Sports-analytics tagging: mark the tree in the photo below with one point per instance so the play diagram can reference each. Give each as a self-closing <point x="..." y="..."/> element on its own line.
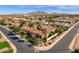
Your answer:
<point x="2" y="22"/>
<point x="39" y="27"/>
<point x="59" y="29"/>
<point x="22" y="22"/>
<point x="15" y="29"/>
<point x="30" y="24"/>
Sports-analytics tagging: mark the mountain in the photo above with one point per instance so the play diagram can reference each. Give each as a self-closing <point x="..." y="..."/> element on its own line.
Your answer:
<point x="38" y="13"/>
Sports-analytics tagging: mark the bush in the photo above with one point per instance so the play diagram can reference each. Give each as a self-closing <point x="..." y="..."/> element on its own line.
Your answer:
<point x="15" y="29"/>
<point x="30" y="40"/>
<point x="60" y="30"/>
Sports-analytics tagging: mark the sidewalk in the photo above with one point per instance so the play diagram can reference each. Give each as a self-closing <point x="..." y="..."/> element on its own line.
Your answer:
<point x="76" y="46"/>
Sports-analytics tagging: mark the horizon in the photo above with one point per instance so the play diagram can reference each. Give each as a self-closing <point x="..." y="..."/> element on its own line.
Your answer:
<point x="25" y="9"/>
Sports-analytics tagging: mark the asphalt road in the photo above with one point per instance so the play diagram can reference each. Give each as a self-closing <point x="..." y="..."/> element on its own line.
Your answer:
<point x="21" y="46"/>
<point x="62" y="45"/>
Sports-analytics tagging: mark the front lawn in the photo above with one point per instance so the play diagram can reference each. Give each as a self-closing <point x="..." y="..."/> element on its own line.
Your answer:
<point x="3" y="44"/>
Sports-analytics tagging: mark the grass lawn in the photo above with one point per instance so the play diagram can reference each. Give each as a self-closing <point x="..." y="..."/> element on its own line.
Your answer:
<point x="3" y="44"/>
<point x="8" y="51"/>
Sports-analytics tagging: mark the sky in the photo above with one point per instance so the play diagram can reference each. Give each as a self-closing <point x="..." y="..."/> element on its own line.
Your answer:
<point x="23" y="9"/>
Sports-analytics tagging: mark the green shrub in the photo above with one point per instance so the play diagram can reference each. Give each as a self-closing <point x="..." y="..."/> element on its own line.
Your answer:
<point x="15" y="29"/>
<point x="30" y="40"/>
<point x="3" y="44"/>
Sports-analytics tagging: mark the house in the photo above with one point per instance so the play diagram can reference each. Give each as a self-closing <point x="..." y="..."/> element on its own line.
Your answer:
<point x="38" y="33"/>
<point x="33" y="31"/>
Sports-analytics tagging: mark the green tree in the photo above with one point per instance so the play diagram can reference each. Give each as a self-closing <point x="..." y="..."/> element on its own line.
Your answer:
<point x="60" y="29"/>
<point x="31" y="24"/>
<point x="15" y="29"/>
<point x="22" y="22"/>
<point x="2" y="22"/>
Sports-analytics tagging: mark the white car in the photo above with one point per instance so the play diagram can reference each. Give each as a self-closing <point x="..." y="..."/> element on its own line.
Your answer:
<point x="28" y="44"/>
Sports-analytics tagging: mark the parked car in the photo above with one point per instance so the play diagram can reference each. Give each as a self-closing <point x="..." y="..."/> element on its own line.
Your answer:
<point x="29" y="44"/>
<point x="10" y="33"/>
<point x="15" y="38"/>
<point x="20" y="41"/>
